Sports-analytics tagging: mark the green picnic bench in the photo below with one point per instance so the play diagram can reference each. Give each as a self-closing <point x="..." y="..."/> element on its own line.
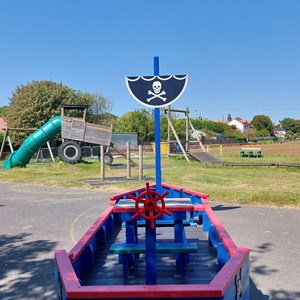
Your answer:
<point x="251" y="152"/>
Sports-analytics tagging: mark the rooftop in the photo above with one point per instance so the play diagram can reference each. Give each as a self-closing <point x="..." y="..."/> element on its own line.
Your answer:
<point x="3" y="124"/>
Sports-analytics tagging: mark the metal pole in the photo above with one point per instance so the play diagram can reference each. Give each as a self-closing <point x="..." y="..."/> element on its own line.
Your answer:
<point x="38" y="154"/>
<point x="50" y="151"/>
<point x="151" y="274"/>
<point x="157" y="134"/>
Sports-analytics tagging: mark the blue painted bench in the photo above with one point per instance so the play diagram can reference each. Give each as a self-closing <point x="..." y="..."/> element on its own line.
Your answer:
<point x="127" y="250"/>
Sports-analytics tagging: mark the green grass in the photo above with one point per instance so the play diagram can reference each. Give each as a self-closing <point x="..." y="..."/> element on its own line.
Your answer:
<point x="255" y="185"/>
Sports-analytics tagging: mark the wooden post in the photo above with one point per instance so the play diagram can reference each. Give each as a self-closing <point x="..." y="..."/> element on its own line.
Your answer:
<point x="141" y="162"/>
<point x="3" y="142"/>
<point x="84" y="114"/>
<point x="128" y="160"/>
<point x="177" y="139"/>
<point x="102" y="167"/>
<point x="10" y="144"/>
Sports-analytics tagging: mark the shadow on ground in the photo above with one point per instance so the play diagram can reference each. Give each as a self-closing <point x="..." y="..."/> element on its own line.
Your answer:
<point x="26" y="271"/>
<point x="221" y="207"/>
<point x="256" y="267"/>
<point x="255" y="293"/>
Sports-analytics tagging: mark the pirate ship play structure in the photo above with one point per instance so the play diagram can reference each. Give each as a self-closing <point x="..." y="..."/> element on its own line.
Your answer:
<point x="148" y="245"/>
<point x="155" y="242"/>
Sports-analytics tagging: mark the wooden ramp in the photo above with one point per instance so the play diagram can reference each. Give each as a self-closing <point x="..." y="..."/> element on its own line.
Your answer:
<point x="204" y="157"/>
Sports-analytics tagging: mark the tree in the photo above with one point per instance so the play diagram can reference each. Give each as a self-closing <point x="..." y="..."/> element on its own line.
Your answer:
<point x="289" y="124"/>
<point x="3" y="110"/>
<point x="292" y="127"/>
<point x="163" y="126"/>
<point x="99" y="106"/>
<point x="263" y="125"/>
<point x="297" y="127"/>
<point x="217" y="127"/>
<point x="180" y="126"/>
<point x="140" y="121"/>
<point x="1" y="137"/>
<point x="33" y="104"/>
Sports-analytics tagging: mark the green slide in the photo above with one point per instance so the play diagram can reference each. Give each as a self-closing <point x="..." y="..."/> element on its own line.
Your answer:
<point x="33" y="143"/>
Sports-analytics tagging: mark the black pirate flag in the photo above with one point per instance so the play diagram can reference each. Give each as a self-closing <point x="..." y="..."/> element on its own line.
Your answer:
<point x="156" y="91"/>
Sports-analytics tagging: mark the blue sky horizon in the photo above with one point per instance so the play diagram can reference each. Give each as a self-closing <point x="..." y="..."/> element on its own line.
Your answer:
<point x="242" y="57"/>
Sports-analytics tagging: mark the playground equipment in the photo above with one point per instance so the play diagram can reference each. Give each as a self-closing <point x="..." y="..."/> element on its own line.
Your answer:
<point x="31" y="145"/>
<point x="148" y="245"/>
<point x="199" y="154"/>
<point x="73" y="131"/>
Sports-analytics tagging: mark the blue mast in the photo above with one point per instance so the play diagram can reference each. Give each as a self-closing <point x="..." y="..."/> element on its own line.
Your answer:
<point x="157" y="134"/>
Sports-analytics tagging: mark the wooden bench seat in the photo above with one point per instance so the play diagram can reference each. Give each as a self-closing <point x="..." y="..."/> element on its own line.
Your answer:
<point x="160" y="248"/>
<point x="128" y="254"/>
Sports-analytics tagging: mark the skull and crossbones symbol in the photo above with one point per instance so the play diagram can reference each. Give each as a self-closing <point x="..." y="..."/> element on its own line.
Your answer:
<point x="157" y="86"/>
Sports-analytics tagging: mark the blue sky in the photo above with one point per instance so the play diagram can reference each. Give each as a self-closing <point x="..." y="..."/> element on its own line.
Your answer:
<point x="242" y="57"/>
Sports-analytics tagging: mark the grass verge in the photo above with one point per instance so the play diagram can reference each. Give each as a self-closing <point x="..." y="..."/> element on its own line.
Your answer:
<point x="255" y="185"/>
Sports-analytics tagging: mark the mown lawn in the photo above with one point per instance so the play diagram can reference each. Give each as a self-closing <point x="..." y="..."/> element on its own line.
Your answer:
<point x="255" y="185"/>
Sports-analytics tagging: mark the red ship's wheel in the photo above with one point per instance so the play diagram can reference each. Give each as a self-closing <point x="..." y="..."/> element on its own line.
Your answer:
<point x="150" y="210"/>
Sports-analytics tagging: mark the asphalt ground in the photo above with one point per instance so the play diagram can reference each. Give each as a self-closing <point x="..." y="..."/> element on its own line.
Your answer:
<point x="37" y="220"/>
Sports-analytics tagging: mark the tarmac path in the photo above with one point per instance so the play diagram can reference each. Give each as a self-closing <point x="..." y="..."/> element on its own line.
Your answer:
<point x="36" y="220"/>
